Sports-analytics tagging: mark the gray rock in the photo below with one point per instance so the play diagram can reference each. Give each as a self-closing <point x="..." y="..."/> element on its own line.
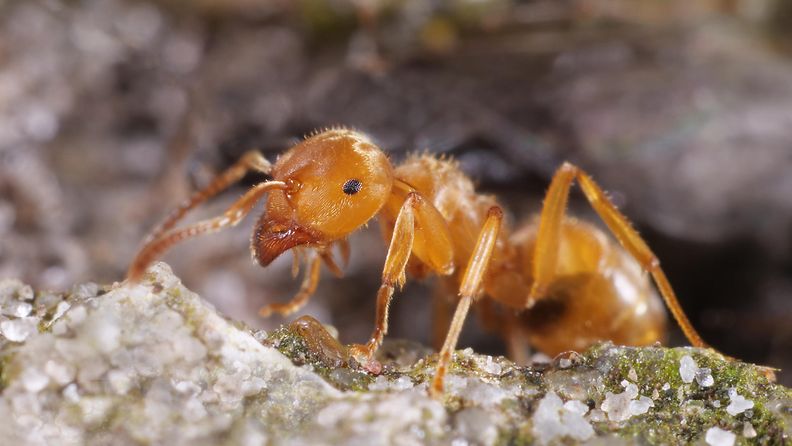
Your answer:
<point x="153" y="363"/>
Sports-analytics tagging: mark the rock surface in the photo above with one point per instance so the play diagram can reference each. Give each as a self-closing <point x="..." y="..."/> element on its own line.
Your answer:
<point x="153" y="363"/>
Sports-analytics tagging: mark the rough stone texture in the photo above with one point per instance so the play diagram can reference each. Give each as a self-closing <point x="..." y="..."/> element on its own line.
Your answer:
<point x="112" y="111"/>
<point x="153" y="363"/>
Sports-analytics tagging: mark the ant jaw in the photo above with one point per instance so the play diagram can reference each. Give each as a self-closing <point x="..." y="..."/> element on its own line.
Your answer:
<point x="268" y="243"/>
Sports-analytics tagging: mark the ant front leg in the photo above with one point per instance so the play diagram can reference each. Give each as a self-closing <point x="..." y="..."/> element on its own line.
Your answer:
<point x="468" y="290"/>
<point x="311" y="279"/>
<point x="250" y="161"/>
<point x="157" y="246"/>
<point x="432" y="245"/>
<point x="548" y="240"/>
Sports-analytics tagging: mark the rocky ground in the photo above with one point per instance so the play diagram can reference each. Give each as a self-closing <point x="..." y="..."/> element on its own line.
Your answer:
<point x="153" y="363"/>
<point x="113" y="111"/>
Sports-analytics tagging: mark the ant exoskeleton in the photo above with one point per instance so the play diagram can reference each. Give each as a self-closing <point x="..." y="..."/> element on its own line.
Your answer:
<point x="332" y="183"/>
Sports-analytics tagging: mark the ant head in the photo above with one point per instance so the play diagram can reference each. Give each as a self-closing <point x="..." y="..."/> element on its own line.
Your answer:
<point x="337" y="181"/>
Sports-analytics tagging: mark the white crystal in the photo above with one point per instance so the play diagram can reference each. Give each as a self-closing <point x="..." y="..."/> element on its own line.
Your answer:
<point x="718" y="437"/>
<point x="186" y="388"/>
<point x="60" y="310"/>
<point x="403" y="383"/>
<point x="577" y="407"/>
<point x="597" y="415"/>
<point x="641" y="405"/>
<point x="77" y="315"/>
<point x="70" y="393"/>
<point x="34" y="380"/>
<point x="553" y="419"/>
<point x="95" y="409"/>
<point x="490" y="366"/>
<point x="738" y="403"/>
<point x="102" y="330"/>
<point x="540" y="358"/>
<point x="12" y="289"/>
<point x="631" y="390"/>
<point x="632" y="375"/>
<point x="687" y="369"/>
<point x="622" y="406"/>
<point x="194" y="410"/>
<point x="617" y="405"/>
<point x="61" y="373"/>
<point x="85" y="290"/>
<point x="704" y="377"/>
<point x="17" y="330"/>
<point x="380" y="383"/>
<point x="119" y="381"/>
<point x="17" y="309"/>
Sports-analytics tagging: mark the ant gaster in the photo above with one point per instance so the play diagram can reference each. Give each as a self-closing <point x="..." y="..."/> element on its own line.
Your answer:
<point x="332" y="183"/>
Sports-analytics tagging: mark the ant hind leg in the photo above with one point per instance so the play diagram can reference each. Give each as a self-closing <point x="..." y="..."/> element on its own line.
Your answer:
<point x="548" y="240"/>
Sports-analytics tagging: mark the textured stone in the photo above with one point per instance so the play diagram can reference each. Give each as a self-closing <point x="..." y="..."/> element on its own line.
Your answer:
<point x="153" y="363"/>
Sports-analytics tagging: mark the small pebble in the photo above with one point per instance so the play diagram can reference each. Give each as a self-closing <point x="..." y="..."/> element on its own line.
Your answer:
<point x="748" y="430"/>
<point x="718" y="437"/>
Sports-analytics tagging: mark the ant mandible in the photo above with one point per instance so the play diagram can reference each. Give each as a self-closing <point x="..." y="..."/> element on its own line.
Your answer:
<point x="333" y="182"/>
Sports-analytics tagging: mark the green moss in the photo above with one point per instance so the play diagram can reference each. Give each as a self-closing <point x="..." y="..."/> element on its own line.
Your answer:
<point x="520" y="436"/>
<point x="341" y="372"/>
<point x="675" y="421"/>
<point x="6" y="370"/>
<point x="682" y="412"/>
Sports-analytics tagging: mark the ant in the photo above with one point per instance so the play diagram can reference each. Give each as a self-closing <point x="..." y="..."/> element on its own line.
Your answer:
<point x="567" y="284"/>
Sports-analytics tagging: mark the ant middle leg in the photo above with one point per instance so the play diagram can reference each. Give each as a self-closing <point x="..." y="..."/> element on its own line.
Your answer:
<point x="393" y="274"/>
<point x="432" y="243"/>
<point x="469" y="289"/>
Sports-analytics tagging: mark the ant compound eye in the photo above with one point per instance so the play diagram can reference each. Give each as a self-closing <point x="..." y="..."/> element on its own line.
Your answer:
<point x="351" y="187"/>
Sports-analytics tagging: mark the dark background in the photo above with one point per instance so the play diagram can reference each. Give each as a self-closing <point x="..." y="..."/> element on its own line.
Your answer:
<point x="112" y="111"/>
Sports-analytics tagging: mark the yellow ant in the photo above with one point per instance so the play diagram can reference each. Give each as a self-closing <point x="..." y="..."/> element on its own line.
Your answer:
<point x="332" y="183"/>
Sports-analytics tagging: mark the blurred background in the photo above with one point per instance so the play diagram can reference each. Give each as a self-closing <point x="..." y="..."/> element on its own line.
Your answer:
<point x="113" y="111"/>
